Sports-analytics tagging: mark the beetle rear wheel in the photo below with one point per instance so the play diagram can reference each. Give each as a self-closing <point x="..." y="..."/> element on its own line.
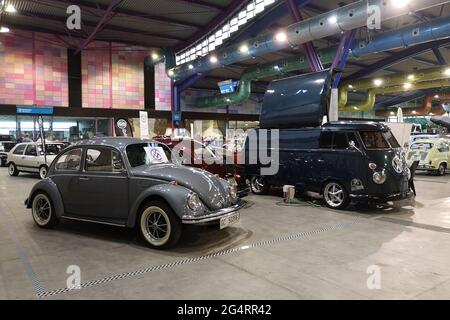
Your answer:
<point x="159" y="226"/>
<point x="43" y="211"/>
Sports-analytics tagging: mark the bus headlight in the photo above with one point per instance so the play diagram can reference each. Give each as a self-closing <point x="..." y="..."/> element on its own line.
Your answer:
<point x="379" y="177"/>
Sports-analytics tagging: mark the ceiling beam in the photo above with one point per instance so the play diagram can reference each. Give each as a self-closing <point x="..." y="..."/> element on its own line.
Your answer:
<point x="62" y="20"/>
<point x="205" y="4"/>
<point x="402" y="99"/>
<point x="398" y="57"/>
<point x="439" y="56"/>
<point x="107" y="16"/>
<point x="138" y="15"/>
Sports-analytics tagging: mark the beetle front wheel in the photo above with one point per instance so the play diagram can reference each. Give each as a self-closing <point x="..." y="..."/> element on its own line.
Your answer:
<point x="159" y="226"/>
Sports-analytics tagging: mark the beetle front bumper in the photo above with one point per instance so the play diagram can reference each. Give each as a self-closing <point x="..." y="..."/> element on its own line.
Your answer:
<point x="214" y="216"/>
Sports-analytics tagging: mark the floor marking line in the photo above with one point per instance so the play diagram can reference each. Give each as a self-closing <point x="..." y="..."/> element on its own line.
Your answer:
<point x="170" y="265"/>
<point x="21" y="252"/>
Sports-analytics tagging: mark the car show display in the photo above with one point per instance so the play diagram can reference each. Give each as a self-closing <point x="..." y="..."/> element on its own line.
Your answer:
<point x="131" y="183"/>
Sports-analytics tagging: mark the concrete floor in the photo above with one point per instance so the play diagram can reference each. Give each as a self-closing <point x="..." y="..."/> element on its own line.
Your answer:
<point x="275" y="252"/>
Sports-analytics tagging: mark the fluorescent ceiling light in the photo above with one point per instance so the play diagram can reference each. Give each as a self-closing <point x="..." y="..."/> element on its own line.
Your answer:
<point x="281" y="36"/>
<point x="4" y="29"/>
<point x="10" y="8"/>
<point x="400" y="3"/>
<point x="378" y="82"/>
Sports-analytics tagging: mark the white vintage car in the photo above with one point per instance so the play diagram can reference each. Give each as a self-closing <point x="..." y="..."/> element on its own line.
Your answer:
<point x="30" y="157"/>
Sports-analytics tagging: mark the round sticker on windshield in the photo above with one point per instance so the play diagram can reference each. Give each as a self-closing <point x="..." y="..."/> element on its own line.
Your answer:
<point x="156" y="155"/>
<point x="122" y="124"/>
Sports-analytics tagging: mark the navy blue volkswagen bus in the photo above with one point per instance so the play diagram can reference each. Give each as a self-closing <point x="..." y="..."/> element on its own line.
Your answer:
<point x="343" y="161"/>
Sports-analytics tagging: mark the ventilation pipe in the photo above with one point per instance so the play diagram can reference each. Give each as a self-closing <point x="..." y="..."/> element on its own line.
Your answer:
<point x="404" y="81"/>
<point x="426" y="109"/>
<point x="359" y="14"/>
<point x="372" y="93"/>
<point x="259" y="72"/>
<point x="436" y="29"/>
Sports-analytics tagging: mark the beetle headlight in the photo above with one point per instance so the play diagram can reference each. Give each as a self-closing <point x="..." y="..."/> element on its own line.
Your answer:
<point x="233" y="191"/>
<point x="379" y="177"/>
<point x="194" y="202"/>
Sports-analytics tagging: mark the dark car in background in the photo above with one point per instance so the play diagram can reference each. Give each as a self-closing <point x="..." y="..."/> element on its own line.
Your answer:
<point x="129" y="183"/>
<point x="196" y="152"/>
<point x="5" y="148"/>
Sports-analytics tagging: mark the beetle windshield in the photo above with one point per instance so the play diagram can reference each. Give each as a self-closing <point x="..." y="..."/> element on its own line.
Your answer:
<point x="379" y="140"/>
<point x="147" y="153"/>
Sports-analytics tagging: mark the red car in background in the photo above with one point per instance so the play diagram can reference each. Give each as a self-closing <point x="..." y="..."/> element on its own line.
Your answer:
<point x="233" y="173"/>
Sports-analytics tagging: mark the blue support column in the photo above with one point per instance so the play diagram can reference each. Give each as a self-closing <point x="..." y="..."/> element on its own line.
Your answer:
<point x="349" y="37"/>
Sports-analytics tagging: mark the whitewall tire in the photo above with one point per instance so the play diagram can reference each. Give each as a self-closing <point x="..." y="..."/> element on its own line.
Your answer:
<point x="159" y="226"/>
<point x="43" y="211"/>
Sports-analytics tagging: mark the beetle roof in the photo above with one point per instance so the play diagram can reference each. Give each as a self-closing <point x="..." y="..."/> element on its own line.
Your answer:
<point x="116" y="142"/>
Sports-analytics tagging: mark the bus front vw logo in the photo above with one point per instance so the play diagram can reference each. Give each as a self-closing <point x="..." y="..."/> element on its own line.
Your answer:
<point x="397" y="164"/>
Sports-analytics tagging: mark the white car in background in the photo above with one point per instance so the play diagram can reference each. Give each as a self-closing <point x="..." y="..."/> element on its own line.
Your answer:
<point x="30" y="157"/>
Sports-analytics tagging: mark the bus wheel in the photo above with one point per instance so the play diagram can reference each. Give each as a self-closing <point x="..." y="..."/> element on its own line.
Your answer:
<point x="335" y="195"/>
<point x="259" y="185"/>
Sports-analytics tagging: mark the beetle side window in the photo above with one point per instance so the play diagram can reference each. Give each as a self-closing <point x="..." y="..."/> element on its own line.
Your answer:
<point x="103" y="160"/>
<point x="20" y="149"/>
<point x="31" y="150"/>
<point x="70" y="161"/>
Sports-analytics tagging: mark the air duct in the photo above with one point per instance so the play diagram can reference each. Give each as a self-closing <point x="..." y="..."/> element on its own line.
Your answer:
<point x="426" y="109"/>
<point x="436" y="29"/>
<point x="352" y="16"/>
<point x="404" y="81"/>
<point x="271" y="69"/>
<point x="369" y="103"/>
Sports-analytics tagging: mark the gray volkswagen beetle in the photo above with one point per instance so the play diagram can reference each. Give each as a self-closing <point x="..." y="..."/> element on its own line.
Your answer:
<point x="130" y="183"/>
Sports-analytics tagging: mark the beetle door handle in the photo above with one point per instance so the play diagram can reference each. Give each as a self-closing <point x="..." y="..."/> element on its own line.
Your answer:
<point x="83" y="178"/>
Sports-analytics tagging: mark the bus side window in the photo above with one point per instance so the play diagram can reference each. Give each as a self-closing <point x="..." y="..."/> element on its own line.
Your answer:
<point x="351" y="136"/>
<point x="340" y="141"/>
<point x="326" y="140"/>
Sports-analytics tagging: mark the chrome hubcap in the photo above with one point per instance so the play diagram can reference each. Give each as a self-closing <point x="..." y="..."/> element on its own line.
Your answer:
<point x="11" y="169"/>
<point x="156" y="226"/>
<point x="43" y="172"/>
<point x="334" y="194"/>
<point x="258" y="183"/>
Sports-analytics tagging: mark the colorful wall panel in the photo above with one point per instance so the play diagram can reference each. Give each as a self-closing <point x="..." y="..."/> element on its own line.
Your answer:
<point x="95" y="75"/>
<point x="51" y="73"/>
<point x="113" y="73"/>
<point x="20" y="83"/>
<point x="163" y="92"/>
<point x="128" y="79"/>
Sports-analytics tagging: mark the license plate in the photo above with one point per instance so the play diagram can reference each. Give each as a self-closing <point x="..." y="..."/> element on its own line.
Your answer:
<point x="228" y="221"/>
